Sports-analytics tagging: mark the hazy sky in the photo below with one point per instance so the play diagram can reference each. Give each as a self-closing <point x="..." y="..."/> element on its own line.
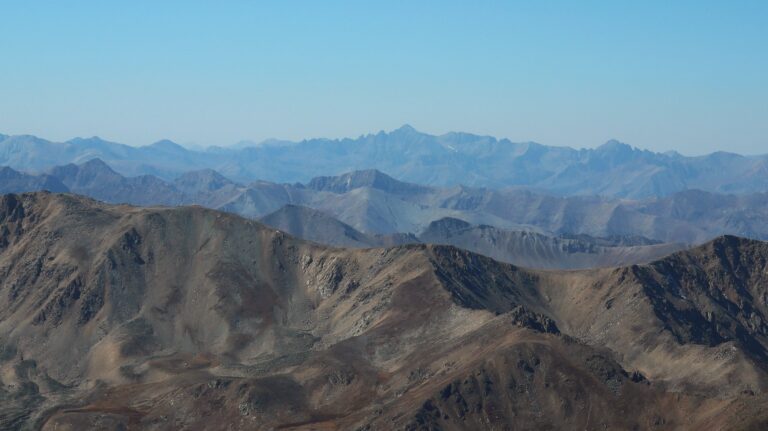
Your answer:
<point x="685" y="75"/>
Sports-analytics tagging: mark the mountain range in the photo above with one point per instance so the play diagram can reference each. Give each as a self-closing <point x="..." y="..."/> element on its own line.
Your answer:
<point x="613" y="169"/>
<point x="525" y="248"/>
<point x="374" y="203"/>
<point x="478" y="284"/>
<point x="253" y="328"/>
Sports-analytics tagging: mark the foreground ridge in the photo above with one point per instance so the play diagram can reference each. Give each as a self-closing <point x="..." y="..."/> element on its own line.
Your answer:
<point x="116" y="316"/>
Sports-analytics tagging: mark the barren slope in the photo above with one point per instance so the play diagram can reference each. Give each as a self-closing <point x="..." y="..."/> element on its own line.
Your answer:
<point x="187" y="318"/>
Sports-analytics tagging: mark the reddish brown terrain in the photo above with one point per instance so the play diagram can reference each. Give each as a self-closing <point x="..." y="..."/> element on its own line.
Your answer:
<point x="116" y="317"/>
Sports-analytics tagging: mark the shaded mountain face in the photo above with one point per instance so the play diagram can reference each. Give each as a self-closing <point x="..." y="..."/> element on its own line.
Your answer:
<point x="376" y="204"/>
<point x="314" y="225"/>
<point x="96" y="179"/>
<point x="692" y="216"/>
<point x="12" y="181"/>
<point x="120" y="317"/>
<point x="369" y="178"/>
<point x="535" y="250"/>
<point x="714" y="293"/>
<point x="613" y="169"/>
<point x="522" y="248"/>
<point x="688" y="217"/>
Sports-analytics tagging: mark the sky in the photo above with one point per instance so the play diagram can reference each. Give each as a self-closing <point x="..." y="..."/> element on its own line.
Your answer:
<point x="690" y="76"/>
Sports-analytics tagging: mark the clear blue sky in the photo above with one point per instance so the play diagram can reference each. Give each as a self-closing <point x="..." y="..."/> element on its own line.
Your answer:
<point x="684" y="75"/>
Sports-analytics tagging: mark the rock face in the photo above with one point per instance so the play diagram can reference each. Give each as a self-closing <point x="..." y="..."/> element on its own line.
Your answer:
<point x="713" y="294"/>
<point x="115" y="317"/>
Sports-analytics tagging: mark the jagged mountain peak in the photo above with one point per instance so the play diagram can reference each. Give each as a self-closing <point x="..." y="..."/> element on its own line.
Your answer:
<point x="614" y="169"/>
<point x="615" y="145"/>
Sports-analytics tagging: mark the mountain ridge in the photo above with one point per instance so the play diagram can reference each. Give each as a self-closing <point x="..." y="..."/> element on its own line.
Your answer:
<point x="387" y="206"/>
<point x="613" y="169"/>
<point x="252" y="327"/>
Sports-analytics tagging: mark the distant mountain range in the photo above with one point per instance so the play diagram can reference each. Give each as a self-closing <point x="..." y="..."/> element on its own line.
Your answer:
<point x="524" y="248"/>
<point x="486" y="285"/>
<point x="613" y="169"/>
<point x="314" y="225"/>
<point x="376" y="204"/>
<point x="535" y="250"/>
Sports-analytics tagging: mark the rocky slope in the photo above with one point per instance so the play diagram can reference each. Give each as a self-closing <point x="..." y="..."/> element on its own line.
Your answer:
<point x="115" y="317"/>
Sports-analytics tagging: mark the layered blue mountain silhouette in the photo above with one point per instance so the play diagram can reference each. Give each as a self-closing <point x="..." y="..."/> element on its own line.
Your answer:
<point x="613" y="169"/>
